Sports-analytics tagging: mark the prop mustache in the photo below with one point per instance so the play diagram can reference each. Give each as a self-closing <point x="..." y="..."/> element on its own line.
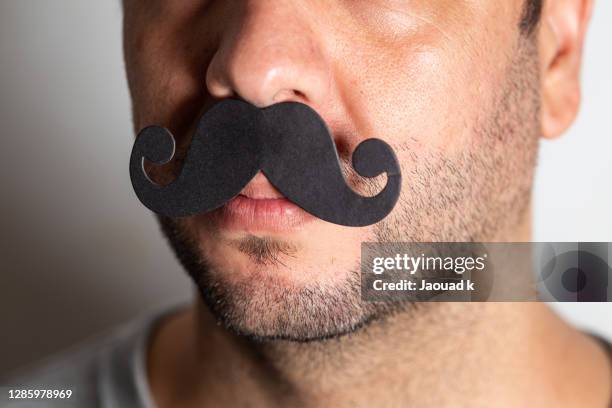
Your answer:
<point x="288" y="142"/>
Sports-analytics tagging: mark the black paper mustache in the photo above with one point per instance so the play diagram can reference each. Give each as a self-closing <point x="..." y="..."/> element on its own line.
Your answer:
<point x="288" y="142"/>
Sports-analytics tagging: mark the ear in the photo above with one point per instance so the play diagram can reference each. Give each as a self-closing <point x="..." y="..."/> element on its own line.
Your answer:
<point x="561" y="40"/>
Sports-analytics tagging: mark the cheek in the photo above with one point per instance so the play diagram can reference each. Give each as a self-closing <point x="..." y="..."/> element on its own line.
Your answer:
<point x="430" y="83"/>
<point x="165" y="64"/>
<point x="424" y="99"/>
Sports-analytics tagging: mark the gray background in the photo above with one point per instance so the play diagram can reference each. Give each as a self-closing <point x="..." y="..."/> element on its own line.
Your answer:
<point x="78" y="254"/>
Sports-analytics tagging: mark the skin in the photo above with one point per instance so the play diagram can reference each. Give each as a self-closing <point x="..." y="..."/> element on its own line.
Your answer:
<point x="463" y="97"/>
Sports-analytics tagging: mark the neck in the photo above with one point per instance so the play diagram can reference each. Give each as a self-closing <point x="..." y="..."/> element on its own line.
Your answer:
<point x="432" y="354"/>
<point x="437" y="354"/>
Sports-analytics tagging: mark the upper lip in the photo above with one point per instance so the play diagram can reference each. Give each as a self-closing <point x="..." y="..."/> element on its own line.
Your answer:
<point x="259" y="188"/>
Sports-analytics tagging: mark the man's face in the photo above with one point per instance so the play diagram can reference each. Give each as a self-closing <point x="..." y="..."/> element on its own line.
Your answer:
<point x="452" y="86"/>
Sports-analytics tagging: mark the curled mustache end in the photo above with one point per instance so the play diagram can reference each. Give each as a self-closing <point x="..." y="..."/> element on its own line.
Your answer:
<point x="155" y="144"/>
<point x="372" y="158"/>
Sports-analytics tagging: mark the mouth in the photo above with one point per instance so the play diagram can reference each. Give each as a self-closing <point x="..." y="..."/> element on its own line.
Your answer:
<point x="260" y="207"/>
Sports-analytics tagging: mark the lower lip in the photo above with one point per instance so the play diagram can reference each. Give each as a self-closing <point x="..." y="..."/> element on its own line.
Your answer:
<point x="274" y="215"/>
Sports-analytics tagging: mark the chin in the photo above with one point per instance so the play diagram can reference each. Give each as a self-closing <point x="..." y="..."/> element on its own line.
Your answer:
<point x="283" y="302"/>
<point x="313" y="252"/>
<point x="276" y="262"/>
<point x="300" y="285"/>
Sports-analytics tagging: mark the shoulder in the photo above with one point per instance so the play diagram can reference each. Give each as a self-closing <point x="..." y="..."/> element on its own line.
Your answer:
<point x="100" y="369"/>
<point x="73" y="371"/>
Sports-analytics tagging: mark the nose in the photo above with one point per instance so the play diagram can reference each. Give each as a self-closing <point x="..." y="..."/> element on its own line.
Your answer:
<point x="270" y="53"/>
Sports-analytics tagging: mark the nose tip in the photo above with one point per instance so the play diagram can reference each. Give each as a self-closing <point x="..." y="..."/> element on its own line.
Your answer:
<point x="267" y="62"/>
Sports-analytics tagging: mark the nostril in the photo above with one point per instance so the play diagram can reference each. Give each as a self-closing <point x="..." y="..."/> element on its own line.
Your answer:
<point x="299" y="94"/>
<point x="289" y="95"/>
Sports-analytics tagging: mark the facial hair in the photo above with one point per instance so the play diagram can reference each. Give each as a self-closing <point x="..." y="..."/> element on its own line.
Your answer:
<point x="473" y="196"/>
